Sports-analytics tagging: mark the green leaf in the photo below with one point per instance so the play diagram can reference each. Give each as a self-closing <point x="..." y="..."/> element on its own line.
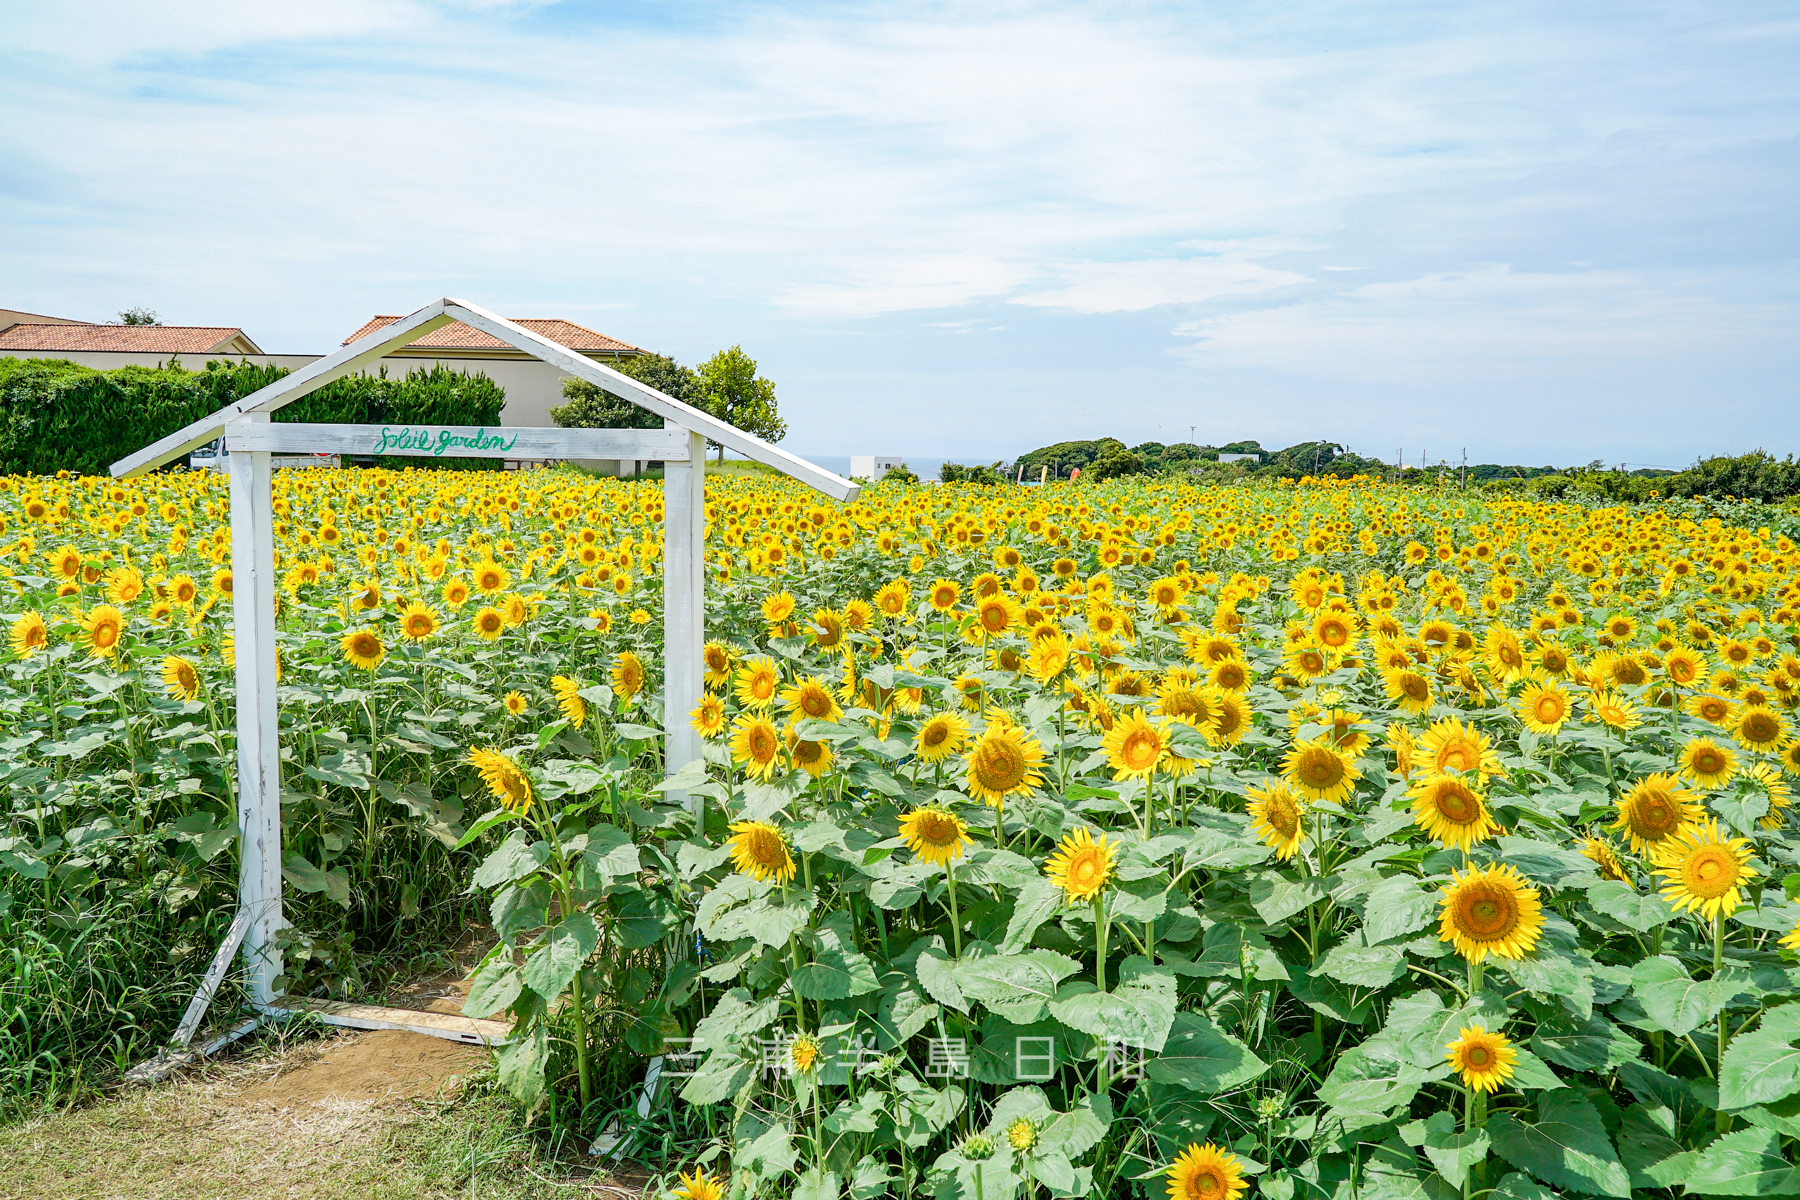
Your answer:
<point x="1516" y="1186"/>
<point x="515" y="858"/>
<point x="773" y="919"/>
<point x="1566" y="1147"/>
<point x="1763" y="1065"/>
<point x="1640" y="911"/>
<point x="497" y="817"/>
<point x="837" y="970"/>
<point x="636" y="733"/>
<point x="1017" y="987"/>
<point x="1200" y="1056"/>
<point x="718" y="1078"/>
<point x="1395" y="907"/>
<point x="771" y="1155"/>
<point x="1371" y="967"/>
<point x="1674" y="1000"/>
<point x="1649" y="1150"/>
<point x="1451" y="1151"/>
<point x="1276" y="897"/>
<point x="1595" y="1044"/>
<point x="936" y="974"/>
<point x="1746" y="1163"/>
<point x="905" y="1010"/>
<point x="493" y="987"/>
<point x="559" y="955"/>
<point x="1036" y="903"/>
<point x="299" y="872"/>
<point x="521" y="1066"/>
<point x="611" y="853"/>
<point x="1138" y="1012"/>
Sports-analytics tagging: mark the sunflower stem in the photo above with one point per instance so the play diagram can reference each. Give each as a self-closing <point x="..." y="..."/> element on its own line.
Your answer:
<point x="1721" y="1119"/>
<point x="1100" y="932"/>
<point x="955" y="913"/>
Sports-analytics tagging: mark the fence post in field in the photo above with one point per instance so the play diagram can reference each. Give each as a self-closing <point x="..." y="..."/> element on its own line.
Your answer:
<point x="258" y="731"/>
<point x="684" y="607"/>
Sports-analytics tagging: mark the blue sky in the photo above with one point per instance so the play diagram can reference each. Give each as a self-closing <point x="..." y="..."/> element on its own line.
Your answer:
<point x="1543" y="231"/>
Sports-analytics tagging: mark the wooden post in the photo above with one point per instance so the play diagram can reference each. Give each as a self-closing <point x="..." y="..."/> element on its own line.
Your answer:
<point x="684" y="607"/>
<point x="258" y="724"/>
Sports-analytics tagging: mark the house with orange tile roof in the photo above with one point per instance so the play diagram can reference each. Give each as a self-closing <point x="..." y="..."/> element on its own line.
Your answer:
<point x="533" y="387"/>
<point x="46" y="339"/>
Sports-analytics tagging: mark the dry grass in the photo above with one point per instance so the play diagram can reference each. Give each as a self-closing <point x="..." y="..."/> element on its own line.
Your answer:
<point x="298" y="1121"/>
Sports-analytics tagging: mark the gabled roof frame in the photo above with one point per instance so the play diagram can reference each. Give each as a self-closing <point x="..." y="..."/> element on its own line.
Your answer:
<point x="370" y="349"/>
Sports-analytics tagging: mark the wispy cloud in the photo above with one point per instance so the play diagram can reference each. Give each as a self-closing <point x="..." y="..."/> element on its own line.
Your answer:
<point x="1235" y="205"/>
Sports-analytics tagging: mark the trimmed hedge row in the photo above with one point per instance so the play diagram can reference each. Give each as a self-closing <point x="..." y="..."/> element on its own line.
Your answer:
<point x="56" y="415"/>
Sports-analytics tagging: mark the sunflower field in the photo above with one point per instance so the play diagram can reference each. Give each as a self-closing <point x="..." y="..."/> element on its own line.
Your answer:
<point x="1122" y="839"/>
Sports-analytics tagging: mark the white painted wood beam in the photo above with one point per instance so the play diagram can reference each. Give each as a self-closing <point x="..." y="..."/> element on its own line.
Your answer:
<point x="667" y="407"/>
<point x="458" y="441"/>
<point x="363" y="352"/>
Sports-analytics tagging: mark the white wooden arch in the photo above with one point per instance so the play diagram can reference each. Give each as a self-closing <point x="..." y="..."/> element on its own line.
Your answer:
<point x="251" y="438"/>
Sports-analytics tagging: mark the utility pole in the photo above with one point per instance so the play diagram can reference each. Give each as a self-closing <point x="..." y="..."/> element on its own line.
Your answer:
<point x="1465" y="469"/>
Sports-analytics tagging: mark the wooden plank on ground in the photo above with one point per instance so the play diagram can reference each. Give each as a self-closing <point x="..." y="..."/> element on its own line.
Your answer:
<point x="374" y="1016"/>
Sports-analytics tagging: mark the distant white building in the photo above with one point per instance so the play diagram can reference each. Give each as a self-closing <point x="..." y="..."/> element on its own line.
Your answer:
<point x="873" y="466"/>
<point x="1224" y="458"/>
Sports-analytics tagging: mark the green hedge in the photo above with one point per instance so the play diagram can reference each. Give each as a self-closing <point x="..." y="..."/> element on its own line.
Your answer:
<point x="56" y="415"/>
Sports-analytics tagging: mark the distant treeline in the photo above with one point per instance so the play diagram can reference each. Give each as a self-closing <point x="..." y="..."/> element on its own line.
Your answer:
<point x="1754" y="476"/>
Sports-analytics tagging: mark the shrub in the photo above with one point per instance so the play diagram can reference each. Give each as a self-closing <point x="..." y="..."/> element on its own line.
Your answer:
<point x="56" y="415"/>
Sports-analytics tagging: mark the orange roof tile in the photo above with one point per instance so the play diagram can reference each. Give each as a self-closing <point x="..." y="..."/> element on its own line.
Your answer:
<point x="457" y="336"/>
<point x="143" y="339"/>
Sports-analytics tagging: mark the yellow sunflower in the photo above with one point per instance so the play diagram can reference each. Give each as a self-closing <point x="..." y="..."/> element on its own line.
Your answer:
<point x="1600" y="852"/>
<point x="1761" y="728"/>
<point x="568" y="698"/>
<point x="1707" y="764"/>
<point x="516" y="703"/>
<point x="363" y="648"/>
<point x="102" y="627"/>
<point x="716" y="658"/>
<point x="1543" y="708"/>
<point x="757" y="681"/>
<point x="941" y="736"/>
<point x="1451" y="812"/>
<point x="506" y="782"/>
<point x="1134" y="746"/>
<point x="1450" y="745"/>
<point x="756" y="746"/>
<point x="1408" y="689"/>
<point x="760" y="851"/>
<point x="1492" y="911"/>
<point x="417" y="621"/>
<point x="1484" y="1060"/>
<point x="1317" y="772"/>
<point x="1003" y="762"/>
<point x="708" y="717"/>
<point x="1206" y="1172"/>
<point x="812" y="757"/>
<point x="180" y="678"/>
<point x="1278" y="815"/>
<point x="627" y="676"/>
<point x="1653" y="809"/>
<point x="1703" y="870"/>
<point x="29" y="635"/>
<point x="1613" y="710"/>
<point x="698" y="1186"/>
<point x="1081" y="866"/>
<point x="935" y="835"/>
<point x="810" y="698"/>
<point x="490" y="623"/>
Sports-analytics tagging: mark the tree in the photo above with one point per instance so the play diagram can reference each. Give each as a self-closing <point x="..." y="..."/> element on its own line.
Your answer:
<point x="593" y="407"/>
<point x="1116" y="461"/>
<point x="731" y="390"/>
<point x="137" y="316"/>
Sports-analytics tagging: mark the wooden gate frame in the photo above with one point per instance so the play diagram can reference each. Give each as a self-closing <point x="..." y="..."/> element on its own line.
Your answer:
<point x="251" y="438"/>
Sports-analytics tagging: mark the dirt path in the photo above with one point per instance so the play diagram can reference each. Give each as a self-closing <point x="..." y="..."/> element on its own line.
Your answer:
<point x="378" y="1115"/>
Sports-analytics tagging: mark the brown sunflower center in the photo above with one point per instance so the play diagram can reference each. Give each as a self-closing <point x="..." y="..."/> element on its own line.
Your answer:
<point x="1486" y="914"/>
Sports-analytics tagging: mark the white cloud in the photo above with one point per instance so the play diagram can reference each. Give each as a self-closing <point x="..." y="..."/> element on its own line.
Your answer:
<point x="1104" y="287"/>
<point x="1494" y="321"/>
